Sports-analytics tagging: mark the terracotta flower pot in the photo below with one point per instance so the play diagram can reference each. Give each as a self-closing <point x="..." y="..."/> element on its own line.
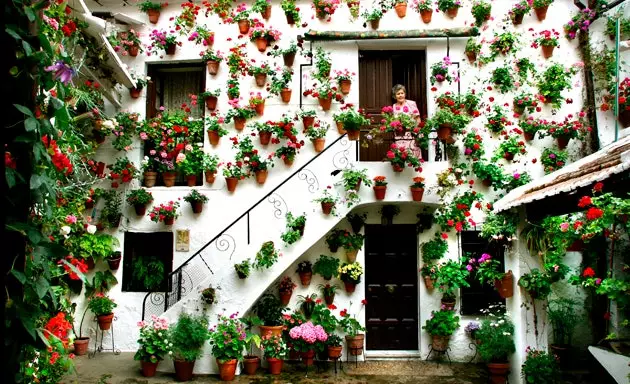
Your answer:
<point x="211" y="102"/>
<point x="290" y="19"/>
<point x="374" y="24"/>
<point x="518" y="19"/>
<point x="327" y="207"/>
<point x="265" y="137"/>
<point x="231" y="183"/>
<point x="239" y="123"/>
<point x="154" y="15"/>
<point x="214" y="138"/>
<point x="141" y="209"/>
<point x="325" y="103"/>
<point x="401" y="9"/>
<point x="508" y="156"/>
<point x="148" y="368"/>
<point x="169" y="178"/>
<point x="261" y="176"/>
<point x="184" y="369"/>
<point x="439" y="343"/>
<point x="329" y="299"/>
<point x="498" y="372"/>
<point x="251" y="364"/>
<point x="191" y="180"/>
<point x="197" y="206"/>
<point x="344" y="86"/>
<point x="416" y="193"/>
<point x="379" y="191"/>
<point x="288" y="59"/>
<point x="355" y="344"/>
<point x="449" y="305"/>
<point x="353" y="135"/>
<point x="288" y="161"/>
<point x="210" y="176"/>
<point x="319" y="144"/>
<point x="487" y="182"/>
<point x="114" y="264"/>
<point x="260" y="109"/>
<point x="528" y="136"/>
<point x="227" y="369"/>
<point x="349" y="286"/>
<point x="426" y="16"/>
<point x="340" y="128"/>
<point x="261" y="44"/>
<point x="81" y="345"/>
<point x="351" y="255"/>
<point x="505" y="285"/>
<point x="266" y="13"/>
<point x="518" y="109"/>
<point x="133" y="50"/>
<point x="563" y="141"/>
<point x="452" y="12"/>
<point x="445" y="132"/>
<point x="308" y="121"/>
<point x="541" y="13"/>
<point x="274" y="365"/>
<point x="272" y="330"/>
<point x="170" y="48"/>
<point x="547" y="50"/>
<point x="169" y="220"/>
<point x="134" y="93"/>
<point x="428" y="282"/>
<point x="149" y="179"/>
<point x="472" y="56"/>
<point x="305" y="278"/>
<point x="243" y="27"/>
<point x="213" y="67"/>
<point x="105" y="321"/>
<point x="285" y="95"/>
<point x="398" y="167"/>
<point x="624" y="118"/>
<point x="285" y="297"/>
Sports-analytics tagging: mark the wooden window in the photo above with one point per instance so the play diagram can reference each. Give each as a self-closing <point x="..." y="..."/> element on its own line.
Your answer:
<point x="147" y="261"/>
<point x="478" y="296"/>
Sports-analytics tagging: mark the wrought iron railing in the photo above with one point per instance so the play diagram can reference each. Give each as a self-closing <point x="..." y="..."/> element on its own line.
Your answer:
<point x="194" y="270"/>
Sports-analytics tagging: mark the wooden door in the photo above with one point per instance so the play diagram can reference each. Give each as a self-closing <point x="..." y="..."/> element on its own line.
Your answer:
<point x="391" y="287"/>
<point x="379" y="71"/>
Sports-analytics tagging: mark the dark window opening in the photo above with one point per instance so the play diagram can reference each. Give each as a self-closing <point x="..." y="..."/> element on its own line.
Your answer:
<point x="147" y="262"/>
<point x="478" y="296"/>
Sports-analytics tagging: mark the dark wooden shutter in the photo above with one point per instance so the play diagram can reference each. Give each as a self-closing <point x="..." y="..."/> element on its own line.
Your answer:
<point x="151" y="99"/>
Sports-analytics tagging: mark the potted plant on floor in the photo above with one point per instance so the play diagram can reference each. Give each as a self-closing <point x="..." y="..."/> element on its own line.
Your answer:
<point x="441" y="325"/>
<point x="496" y="344"/>
<point x="328" y="291"/>
<point x="350" y="274"/>
<point x="154" y="344"/>
<point x="352" y="328"/>
<point x="139" y="198"/>
<point x="451" y="276"/>
<point x="326" y="266"/>
<point x="102" y="307"/>
<point x="540" y="367"/>
<point x="563" y="317"/>
<point x="269" y="309"/>
<point x="275" y="351"/>
<point x="188" y="336"/>
<point x="251" y="362"/>
<point x="285" y="289"/>
<point x="308" y="339"/>
<point x="196" y="200"/>
<point x="305" y="270"/>
<point x="227" y="345"/>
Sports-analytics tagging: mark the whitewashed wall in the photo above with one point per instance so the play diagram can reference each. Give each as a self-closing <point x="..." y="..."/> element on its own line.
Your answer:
<point x="223" y="208"/>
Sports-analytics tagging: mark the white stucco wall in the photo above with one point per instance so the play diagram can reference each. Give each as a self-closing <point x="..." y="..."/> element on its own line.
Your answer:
<point x="223" y="208"/>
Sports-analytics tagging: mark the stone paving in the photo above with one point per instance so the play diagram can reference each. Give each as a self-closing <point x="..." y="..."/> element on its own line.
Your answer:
<point x="124" y="370"/>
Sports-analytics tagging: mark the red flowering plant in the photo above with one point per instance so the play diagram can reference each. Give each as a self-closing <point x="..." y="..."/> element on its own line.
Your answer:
<point x="289" y="150"/>
<point x="237" y="60"/>
<point x="624" y="94"/>
<point x="201" y="35"/>
<point x="235" y="170"/>
<point x="259" y="31"/>
<point x="122" y="169"/>
<point x="531" y="126"/>
<point x="509" y="148"/>
<point x="546" y="38"/>
<point x="398" y="123"/>
<point x="473" y="145"/>
<point x="219" y="7"/>
<point x="185" y="22"/>
<point x="324" y="90"/>
<point x="497" y="120"/>
<point x="456" y="214"/>
<point x="256" y="162"/>
<point x="237" y="111"/>
<point x="165" y="210"/>
<point x="73" y="266"/>
<point x="244" y="147"/>
<point x="380" y="181"/>
<point x="570" y="128"/>
<point x="451" y="101"/>
<point x="398" y="156"/>
<point x="59" y="158"/>
<point x="524" y="101"/>
<point x="553" y="159"/>
<point x="325" y="8"/>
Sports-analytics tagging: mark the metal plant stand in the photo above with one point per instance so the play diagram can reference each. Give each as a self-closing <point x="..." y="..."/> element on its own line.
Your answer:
<point x="473" y="347"/>
<point x="356" y="355"/>
<point x="439" y="353"/>
<point x="99" y="347"/>
<point x="320" y="363"/>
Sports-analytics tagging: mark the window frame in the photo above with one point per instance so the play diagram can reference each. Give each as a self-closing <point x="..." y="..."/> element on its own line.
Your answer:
<point x="162" y="242"/>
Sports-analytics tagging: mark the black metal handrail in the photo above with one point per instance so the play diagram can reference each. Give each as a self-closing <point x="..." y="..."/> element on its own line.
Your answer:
<point x="178" y="270"/>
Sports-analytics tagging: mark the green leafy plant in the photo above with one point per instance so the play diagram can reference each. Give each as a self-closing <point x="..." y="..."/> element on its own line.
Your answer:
<point x="562" y="314"/>
<point x="269" y="309"/>
<point x="540" y="367"/>
<point x="434" y="249"/>
<point x="323" y="64"/>
<point x="553" y="159"/>
<point x="243" y="269"/>
<point x="451" y="276"/>
<point x="280" y="79"/>
<point x="490" y="171"/>
<point x="525" y="67"/>
<point x="441" y="323"/>
<point x="139" y="196"/>
<point x="290" y="9"/>
<point x="188" y="336"/>
<point x="352" y="177"/>
<point x="553" y="81"/>
<point x="274" y="347"/>
<point x="149" y="271"/>
<point x="487" y="269"/>
<point x="111" y="212"/>
<point x="267" y="256"/>
<point x="350" y="324"/>
<point x="481" y="11"/>
<point x="445" y="5"/>
<point x="328" y="290"/>
<point x="195" y="196"/>
<point x="509" y="148"/>
<point x="148" y="5"/>
<point x="537" y="283"/>
<point x="209" y="295"/>
<point x="472" y="46"/>
<point x="102" y="282"/>
<point x="497" y="120"/>
<point x="496" y="336"/>
<point x="100" y="304"/>
<point x="502" y="79"/>
<point x="295" y="227"/>
<point x="228" y="338"/>
<point x="500" y="226"/>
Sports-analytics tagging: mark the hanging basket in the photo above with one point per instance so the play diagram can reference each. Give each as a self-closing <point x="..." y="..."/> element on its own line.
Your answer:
<point x="231" y="183"/>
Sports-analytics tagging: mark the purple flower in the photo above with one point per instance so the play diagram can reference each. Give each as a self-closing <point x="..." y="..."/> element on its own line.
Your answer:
<point x="517" y="176"/>
<point x="62" y="71"/>
<point x="469" y="268"/>
<point x="552" y="156"/>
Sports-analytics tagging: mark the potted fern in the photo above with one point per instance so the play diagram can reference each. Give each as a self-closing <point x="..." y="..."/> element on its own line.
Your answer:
<point x="188" y="336"/>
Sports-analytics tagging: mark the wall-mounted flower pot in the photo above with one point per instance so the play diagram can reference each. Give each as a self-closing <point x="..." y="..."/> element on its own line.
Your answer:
<point x="231" y="183"/>
<point x="197" y="206"/>
<point x="401" y="9"/>
<point x="261" y="79"/>
<point x="134" y="93"/>
<point x="416" y="193"/>
<point x="211" y="102"/>
<point x="426" y="16"/>
<point x="149" y="179"/>
<point x="154" y="15"/>
<point x="398" y="167"/>
<point x="169" y="220"/>
<point x="344" y="86"/>
<point x="325" y="103"/>
<point x="169" y="178"/>
<point x="114" y="262"/>
<point x="288" y="161"/>
<point x="319" y="144"/>
<point x="239" y="123"/>
<point x="288" y="59"/>
<point x="547" y="50"/>
<point x="305" y="278"/>
<point x="105" y="321"/>
<point x="251" y="364"/>
<point x="349" y="286"/>
<point x="374" y="24"/>
<point x="170" y="48"/>
<point x="210" y="176"/>
<point x="243" y="27"/>
<point x="528" y="136"/>
<point x="290" y="19"/>
<point x="327" y="207"/>
<point x="261" y="176"/>
<point x="307" y="121"/>
<point x="452" y="12"/>
<point x="191" y="180"/>
<point x="141" y="209"/>
<point x="260" y="108"/>
<point x="445" y="132"/>
<point x="541" y="12"/>
<point x="266" y="13"/>
<point x="340" y="128"/>
<point x="508" y="156"/>
<point x="353" y="135"/>
<point x="472" y="56"/>
<point x="285" y="297"/>
<point x="214" y="138"/>
<point x="261" y="44"/>
<point x="505" y="285"/>
<point x="351" y="255"/>
<point x="517" y="19"/>
<point x="624" y="118"/>
<point x="265" y="137"/>
<point x="379" y="191"/>
<point x="428" y="282"/>
<point x="133" y="50"/>
<point x="213" y="67"/>
<point x="563" y="141"/>
<point x="329" y="299"/>
<point x="285" y="95"/>
<point x="448" y="304"/>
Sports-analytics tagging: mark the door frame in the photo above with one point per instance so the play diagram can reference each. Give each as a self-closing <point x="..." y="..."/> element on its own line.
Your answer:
<point x="385" y="354"/>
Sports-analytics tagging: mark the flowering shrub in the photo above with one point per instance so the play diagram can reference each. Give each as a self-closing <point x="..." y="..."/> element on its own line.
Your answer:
<point x="239" y="14"/>
<point x="160" y="40"/>
<point x="318" y="130"/>
<point x="126" y="40"/>
<point x="211" y="55"/>
<point x="237" y="111"/>
<point x="422" y="5"/>
<point x="258" y="31"/>
<point x="351" y="118"/>
<point x="398" y="156"/>
<point x="154" y="343"/>
<point x="228" y="338"/>
<point x="258" y="163"/>
<point x="343" y="75"/>
<point x="553" y="159"/>
<point x="569" y="128"/>
<point x="274" y="347"/>
<point x="523" y="7"/>
<point x="280" y="79"/>
<point x="286" y="285"/>
<point x="148" y="5"/>
<point x="78" y="265"/>
<point x="445" y="5"/>
<point x="164" y="211"/>
<point x="290" y="9"/>
<point x="324" y="90"/>
<point x="540" y="367"/>
<point x="624" y="94"/>
<point x="256" y="98"/>
<point x="524" y="101"/>
<point x="504" y="43"/>
<point x="100" y="304"/>
<point x="307" y="337"/>
<point x="439" y="71"/>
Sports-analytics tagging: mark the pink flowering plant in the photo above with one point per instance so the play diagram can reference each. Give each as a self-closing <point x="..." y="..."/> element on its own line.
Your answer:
<point x="235" y="169"/>
<point x="325" y="8"/>
<point x="164" y="211"/>
<point x="259" y="31"/>
<point x="343" y="75"/>
<point x="228" y="338"/>
<point x="398" y="123"/>
<point x="308" y="337"/>
<point x="125" y="41"/>
<point x="238" y="111"/>
<point x="546" y="38"/>
<point x="153" y="341"/>
<point x="439" y="71"/>
<point x="422" y="5"/>
<point x="580" y="22"/>
<point x="569" y="128"/>
<point x="211" y="55"/>
<point x="201" y="35"/>
<point x="240" y="13"/>
<point x="160" y="40"/>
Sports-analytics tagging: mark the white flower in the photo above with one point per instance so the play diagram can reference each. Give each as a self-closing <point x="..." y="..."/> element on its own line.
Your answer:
<point x="246" y="159"/>
<point x="91" y="229"/>
<point x="170" y="344"/>
<point x="65" y="230"/>
<point x="108" y="124"/>
<point x="160" y="334"/>
<point x="170" y="352"/>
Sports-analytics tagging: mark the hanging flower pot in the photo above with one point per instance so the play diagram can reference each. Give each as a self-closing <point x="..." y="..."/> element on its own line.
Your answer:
<point x="266" y="13"/>
<point x="105" y="321"/>
<point x="154" y="15"/>
<point x="472" y="56"/>
<point x="428" y="282"/>
<point x="374" y="24"/>
<point x="325" y="103"/>
<point x="329" y="299"/>
<point x="227" y="369"/>
<point x="265" y="137"/>
<point x="290" y="19"/>
<point x="211" y="102"/>
<point x="214" y="138"/>
<point x="401" y="9"/>
<point x="417" y="193"/>
<point x="439" y="343"/>
<point x="169" y="220"/>
<point x="133" y="50"/>
<point x="351" y="255"/>
<point x="285" y="297"/>
<point x="505" y="285"/>
<point x="547" y="50"/>
<point x="344" y="86"/>
<point x="353" y="135"/>
<point x="275" y="365"/>
<point x="149" y="178"/>
<point x="141" y="209"/>
<point x="379" y="191"/>
<point x="114" y="261"/>
<point x="319" y="144"/>
<point x="239" y="123"/>
<point x="288" y="161"/>
<point x="135" y="92"/>
<point x="349" y="286"/>
<point x="305" y="278"/>
<point x="448" y="304"/>
<point x="231" y="183"/>
<point x="169" y="178"/>
<point x="213" y="67"/>
<point x="624" y="118"/>
<point x="191" y="180"/>
<point x="288" y="59"/>
<point x="541" y="12"/>
<point x="517" y="19"/>
<point x="261" y="176"/>
<point x="508" y="156"/>
<point x="355" y="344"/>
<point x="307" y="121"/>
<point x="563" y="141"/>
<point x="398" y="167"/>
<point x="261" y="44"/>
<point x="260" y="108"/>
<point x="452" y="12"/>
<point x="327" y="207"/>
<point x="285" y="95"/>
<point x="197" y="206"/>
<point x="170" y="48"/>
<point x="148" y="368"/>
<point x="528" y="136"/>
<point x="340" y="128"/>
<point x="261" y="79"/>
<point x="426" y="16"/>
<point x="445" y="132"/>
<point x="243" y="27"/>
<point x="210" y="176"/>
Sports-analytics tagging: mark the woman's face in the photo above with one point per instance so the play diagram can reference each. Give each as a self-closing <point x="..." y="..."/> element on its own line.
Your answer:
<point x="400" y="96"/>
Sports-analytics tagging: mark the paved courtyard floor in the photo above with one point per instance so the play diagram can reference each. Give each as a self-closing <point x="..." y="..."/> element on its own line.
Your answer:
<point x="106" y="368"/>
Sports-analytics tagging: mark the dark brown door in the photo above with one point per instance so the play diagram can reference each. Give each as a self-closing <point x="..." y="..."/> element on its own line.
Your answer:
<point x="392" y="287"/>
<point x="379" y="71"/>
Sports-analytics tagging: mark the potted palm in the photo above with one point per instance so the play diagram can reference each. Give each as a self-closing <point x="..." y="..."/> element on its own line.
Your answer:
<point x="350" y="274"/>
<point x="269" y="309"/>
<point x="441" y="325"/>
<point x="451" y="276"/>
<point x="139" y="198"/>
<point x="188" y="336"/>
<point x="275" y="351"/>
<point x="496" y="343"/>
<point x="326" y="266"/>
<point x="227" y="345"/>
<point x="196" y="200"/>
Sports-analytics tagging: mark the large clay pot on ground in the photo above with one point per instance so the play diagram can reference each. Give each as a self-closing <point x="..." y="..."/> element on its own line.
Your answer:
<point x="148" y="368"/>
<point x="81" y="345"/>
<point x="505" y="285"/>
<point x="184" y="369"/>
<point x="275" y="365"/>
<point x="439" y="343"/>
<point x="227" y="369"/>
<point x="105" y="321"/>
<point x="251" y="364"/>
<point x="498" y="372"/>
<point x="273" y="330"/>
<point x="355" y="344"/>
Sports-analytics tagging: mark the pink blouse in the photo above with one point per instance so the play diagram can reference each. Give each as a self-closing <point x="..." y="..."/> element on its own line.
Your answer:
<point x="409" y="107"/>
